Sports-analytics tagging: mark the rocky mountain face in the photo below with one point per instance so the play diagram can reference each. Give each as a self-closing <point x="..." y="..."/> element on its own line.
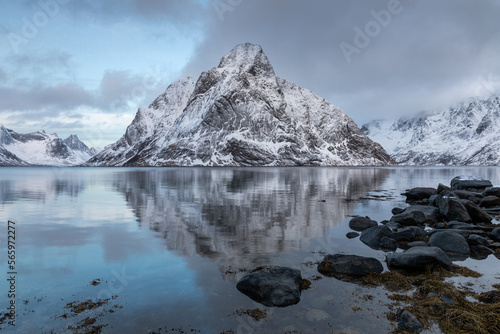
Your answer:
<point x="40" y="148"/>
<point x="467" y="134"/>
<point x="241" y="114"/>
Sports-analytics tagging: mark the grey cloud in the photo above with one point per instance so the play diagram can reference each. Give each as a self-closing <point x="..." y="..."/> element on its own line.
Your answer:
<point x="425" y="50"/>
<point x="118" y="91"/>
<point x="38" y="98"/>
<point x="115" y="10"/>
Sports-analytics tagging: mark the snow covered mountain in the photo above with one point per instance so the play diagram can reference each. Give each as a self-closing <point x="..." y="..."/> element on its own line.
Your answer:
<point x="467" y="134"/>
<point x="39" y="148"/>
<point x="241" y="114"/>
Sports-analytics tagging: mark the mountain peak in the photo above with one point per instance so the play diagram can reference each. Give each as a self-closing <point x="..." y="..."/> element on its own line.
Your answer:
<point x="247" y="57"/>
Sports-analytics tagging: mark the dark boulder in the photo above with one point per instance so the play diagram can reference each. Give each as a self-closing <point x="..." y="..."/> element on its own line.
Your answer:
<point x="388" y="244"/>
<point x="272" y="285"/>
<point x="338" y="265"/>
<point x="468" y="195"/>
<point x="452" y="243"/>
<point x="453" y="209"/>
<point x="494" y="191"/>
<point x="431" y="213"/>
<point x="409" y="233"/>
<point x="409" y="218"/>
<point x="495" y="234"/>
<point x="372" y="236"/>
<point x="408" y="322"/>
<point x="441" y="187"/>
<point x="361" y="223"/>
<point x="352" y="235"/>
<point x="397" y="211"/>
<point x="476" y="213"/>
<point x="476" y="240"/>
<point x="469" y="182"/>
<point x="490" y="202"/>
<point x="419" y="194"/>
<point x="419" y="258"/>
<point x="480" y="252"/>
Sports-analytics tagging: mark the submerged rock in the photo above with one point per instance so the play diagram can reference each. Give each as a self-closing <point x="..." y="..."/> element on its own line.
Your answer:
<point x="418" y="258"/>
<point x="349" y="265"/>
<point x="408" y="322"/>
<point x="272" y="285"/>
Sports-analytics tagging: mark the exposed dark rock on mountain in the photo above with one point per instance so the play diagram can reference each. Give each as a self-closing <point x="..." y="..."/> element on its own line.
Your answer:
<point x="241" y="114"/>
<point x="40" y="148"/>
<point x="466" y="134"/>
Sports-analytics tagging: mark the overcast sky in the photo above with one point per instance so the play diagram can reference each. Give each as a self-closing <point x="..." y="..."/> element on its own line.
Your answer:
<point x="85" y="66"/>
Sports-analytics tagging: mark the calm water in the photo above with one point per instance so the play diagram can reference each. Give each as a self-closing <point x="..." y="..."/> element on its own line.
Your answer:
<point x="170" y="244"/>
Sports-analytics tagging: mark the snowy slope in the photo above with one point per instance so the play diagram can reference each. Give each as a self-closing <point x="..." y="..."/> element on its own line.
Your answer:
<point x="39" y="148"/>
<point x="467" y="134"/>
<point x="241" y="114"/>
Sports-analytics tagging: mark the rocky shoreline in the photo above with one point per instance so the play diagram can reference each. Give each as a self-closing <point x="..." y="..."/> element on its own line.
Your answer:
<point x="441" y="225"/>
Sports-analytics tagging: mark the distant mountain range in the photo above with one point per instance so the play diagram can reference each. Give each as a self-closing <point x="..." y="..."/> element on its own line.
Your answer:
<point x="41" y="149"/>
<point x="466" y="134"/>
<point x="241" y="114"/>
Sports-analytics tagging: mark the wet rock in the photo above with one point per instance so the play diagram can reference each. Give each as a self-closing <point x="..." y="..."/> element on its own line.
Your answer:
<point x="494" y="191"/>
<point x="372" y="236"/>
<point x="349" y="265"/>
<point x="408" y="322"/>
<point x="419" y="194"/>
<point x="490" y="202"/>
<point x="392" y="225"/>
<point x="441" y="187"/>
<point x="361" y="223"/>
<point x="272" y="285"/>
<point x="467" y="233"/>
<point x="397" y="211"/>
<point x="495" y="234"/>
<point x="431" y="213"/>
<point x="352" y="235"/>
<point x="468" y="195"/>
<point x="477" y="240"/>
<point x="418" y="258"/>
<point x="453" y="209"/>
<point x="432" y="200"/>
<point x="476" y="214"/>
<point x="388" y="244"/>
<point x="409" y="233"/>
<point x="460" y="225"/>
<point x="410" y="218"/>
<point x="469" y="182"/>
<point x="480" y="252"/>
<point x="416" y="244"/>
<point x="452" y="243"/>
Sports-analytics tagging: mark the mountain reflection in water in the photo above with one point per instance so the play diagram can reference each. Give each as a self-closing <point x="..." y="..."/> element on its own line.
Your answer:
<point x="227" y="212"/>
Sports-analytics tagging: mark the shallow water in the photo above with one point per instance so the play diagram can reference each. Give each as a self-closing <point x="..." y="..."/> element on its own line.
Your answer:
<point x="170" y="244"/>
